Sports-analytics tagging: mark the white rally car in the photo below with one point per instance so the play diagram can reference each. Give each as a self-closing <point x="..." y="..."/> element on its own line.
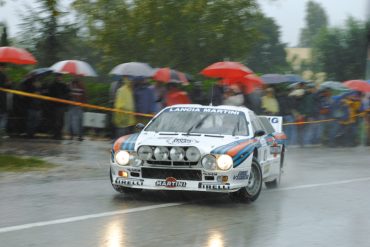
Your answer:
<point x="201" y="148"/>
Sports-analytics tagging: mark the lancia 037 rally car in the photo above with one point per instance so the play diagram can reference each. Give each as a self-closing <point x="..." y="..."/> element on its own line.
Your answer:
<point x="201" y="148"/>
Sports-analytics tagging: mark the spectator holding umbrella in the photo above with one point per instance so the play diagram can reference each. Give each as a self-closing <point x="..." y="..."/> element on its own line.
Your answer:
<point x="32" y="106"/>
<point x="4" y="83"/>
<point x="75" y="113"/>
<point x="144" y="96"/>
<point x="124" y="101"/>
<point x="58" y="89"/>
<point x="269" y="103"/>
<point x="175" y="95"/>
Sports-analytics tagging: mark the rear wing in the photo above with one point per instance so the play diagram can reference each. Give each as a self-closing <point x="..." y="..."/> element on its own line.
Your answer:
<point x="275" y="121"/>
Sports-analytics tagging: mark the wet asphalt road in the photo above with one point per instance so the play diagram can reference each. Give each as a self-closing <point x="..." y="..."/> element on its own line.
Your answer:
<point x="323" y="201"/>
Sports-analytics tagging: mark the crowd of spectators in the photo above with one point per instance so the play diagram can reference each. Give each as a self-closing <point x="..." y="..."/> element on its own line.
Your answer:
<point x="311" y="116"/>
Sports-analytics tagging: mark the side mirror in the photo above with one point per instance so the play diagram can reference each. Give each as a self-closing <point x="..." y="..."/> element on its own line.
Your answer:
<point x="139" y="126"/>
<point x="259" y="133"/>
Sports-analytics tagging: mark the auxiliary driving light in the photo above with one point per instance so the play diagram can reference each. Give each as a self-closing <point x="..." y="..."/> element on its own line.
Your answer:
<point x="177" y="154"/>
<point x="161" y="153"/>
<point x="145" y="153"/>
<point x="192" y="154"/>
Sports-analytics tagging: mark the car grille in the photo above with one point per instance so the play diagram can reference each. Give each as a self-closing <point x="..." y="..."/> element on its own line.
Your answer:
<point x="170" y="163"/>
<point x="179" y="174"/>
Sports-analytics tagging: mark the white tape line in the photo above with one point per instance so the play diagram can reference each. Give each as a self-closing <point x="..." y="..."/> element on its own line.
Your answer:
<point x="86" y="217"/>
<point x="308" y="186"/>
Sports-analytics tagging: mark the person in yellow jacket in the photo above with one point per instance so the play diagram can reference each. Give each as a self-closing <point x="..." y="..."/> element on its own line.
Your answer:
<point x="124" y="101"/>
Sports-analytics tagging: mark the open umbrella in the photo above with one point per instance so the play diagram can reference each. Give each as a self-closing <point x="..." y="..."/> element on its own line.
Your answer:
<point x="274" y="78"/>
<point x="74" y="67"/>
<point x="292" y="78"/>
<point x="15" y="55"/>
<point x="226" y="70"/>
<point x="40" y="72"/>
<point x="170" y="75"/>
<point x="334" y="85"/>
<point x="135" y="69"/>
<point x="358" y="85"/>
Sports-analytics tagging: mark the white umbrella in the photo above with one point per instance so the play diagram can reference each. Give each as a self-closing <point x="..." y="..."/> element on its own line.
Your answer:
<point x="133" y="69"/>
<point x="74" y="67"/>
<point x="333" y="85"/>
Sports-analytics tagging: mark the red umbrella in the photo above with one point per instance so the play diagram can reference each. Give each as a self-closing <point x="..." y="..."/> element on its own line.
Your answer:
<point x="249" y="82"/>
<point x="170" y="75"/>
<point x="358" y="85"/>
<point x="15" y="55"/>
<point x="226" y="70"/>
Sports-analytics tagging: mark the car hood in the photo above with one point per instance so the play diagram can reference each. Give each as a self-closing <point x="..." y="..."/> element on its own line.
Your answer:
<point x="205" y="143"/>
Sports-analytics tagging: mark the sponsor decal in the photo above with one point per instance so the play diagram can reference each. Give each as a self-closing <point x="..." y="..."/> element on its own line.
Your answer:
<point x="210" y="173"/>
<point x="133" y="169"/>
<point x="181" y="141"/>
<point x="242" y="175"/>
<point x="170" y="182"/>
<point x="208" y="110"/>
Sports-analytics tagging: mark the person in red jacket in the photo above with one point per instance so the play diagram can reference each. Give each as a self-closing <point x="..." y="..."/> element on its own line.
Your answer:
<point x="175" y="95"/>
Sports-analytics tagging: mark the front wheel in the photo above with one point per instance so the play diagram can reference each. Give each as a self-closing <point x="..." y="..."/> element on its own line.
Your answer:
<point x="122" y="189"/>
<point x="251" y="192"/>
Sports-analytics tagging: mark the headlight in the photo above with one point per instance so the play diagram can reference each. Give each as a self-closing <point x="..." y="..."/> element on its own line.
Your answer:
<point x="161" y="153"/>
<point x="192" y="154"/>
<point x="177" y="154"/>
<point x="145" y="153"/>
<point x="122" y="158"/>
<point x="209" y="162"/>
<point x="134" y="160"/>
<point x="224" y="162"/>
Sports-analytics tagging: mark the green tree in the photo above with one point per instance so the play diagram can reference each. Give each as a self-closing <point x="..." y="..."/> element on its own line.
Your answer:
<point x="49" y="37"/>
<point x="316" y="19"/>
<point x="341" y="52"/>
<point x="187" y="35"/>
<point x="4" y="36"/>
<point x="268" y="54"/>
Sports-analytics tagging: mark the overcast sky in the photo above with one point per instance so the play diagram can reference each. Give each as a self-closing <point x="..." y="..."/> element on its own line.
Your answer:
<point x="289" y="14"/>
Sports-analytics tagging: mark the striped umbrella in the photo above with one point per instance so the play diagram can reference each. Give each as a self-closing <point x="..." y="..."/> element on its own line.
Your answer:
<point x="74" y="67"/>
<point x="169" y="75"/>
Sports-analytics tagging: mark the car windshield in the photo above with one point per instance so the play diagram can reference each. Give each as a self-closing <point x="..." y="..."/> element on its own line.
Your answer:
<point x="200" y="120"/>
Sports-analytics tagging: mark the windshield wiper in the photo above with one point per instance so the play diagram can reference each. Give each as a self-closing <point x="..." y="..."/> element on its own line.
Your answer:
<point x="197" y="124"/>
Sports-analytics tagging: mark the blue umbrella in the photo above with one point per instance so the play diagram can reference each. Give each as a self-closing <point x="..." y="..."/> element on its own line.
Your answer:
<point x="294" y="78"/>
<point x="274" y="78"/>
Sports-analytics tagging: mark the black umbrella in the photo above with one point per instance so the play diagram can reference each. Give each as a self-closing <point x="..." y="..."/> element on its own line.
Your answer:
<point x="40" y="72"/>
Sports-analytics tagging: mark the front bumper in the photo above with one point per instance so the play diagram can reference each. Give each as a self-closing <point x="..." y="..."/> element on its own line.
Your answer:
<point x="180" y="181"/>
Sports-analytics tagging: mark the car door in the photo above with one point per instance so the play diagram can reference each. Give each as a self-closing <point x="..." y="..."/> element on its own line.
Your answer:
<point x="273" y="153"/>
<point x="263" y="149"/>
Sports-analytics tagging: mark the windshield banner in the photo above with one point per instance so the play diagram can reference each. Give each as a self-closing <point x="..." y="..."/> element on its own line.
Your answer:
<point x="206" y="110"/>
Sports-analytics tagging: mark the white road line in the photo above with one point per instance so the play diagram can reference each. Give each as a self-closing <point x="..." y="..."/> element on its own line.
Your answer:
<point x="86" y="217"/>
<point x="140" y="209"/>
<point x="307" y="186"/>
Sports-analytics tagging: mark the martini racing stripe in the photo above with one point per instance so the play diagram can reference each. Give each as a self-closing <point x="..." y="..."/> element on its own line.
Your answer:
<point x="225" y="148"/>
<point x="129" y="144"/>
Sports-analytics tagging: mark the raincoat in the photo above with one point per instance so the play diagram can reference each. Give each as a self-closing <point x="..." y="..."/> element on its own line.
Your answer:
<point x="124" y="101"/>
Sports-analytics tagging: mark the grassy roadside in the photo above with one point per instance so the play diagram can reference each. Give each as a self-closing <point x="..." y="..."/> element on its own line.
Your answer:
<point x="10" y="163"/>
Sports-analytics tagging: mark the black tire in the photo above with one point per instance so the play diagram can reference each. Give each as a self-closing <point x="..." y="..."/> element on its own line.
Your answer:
<point x="122" y="189"/>
<point x="253" y="190"/>
<point x="276" y="182"/>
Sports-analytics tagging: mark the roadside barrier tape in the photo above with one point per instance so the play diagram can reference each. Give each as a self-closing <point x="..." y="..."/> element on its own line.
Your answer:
<point x="102" y="108"/>
<point x="69" y="102"/>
